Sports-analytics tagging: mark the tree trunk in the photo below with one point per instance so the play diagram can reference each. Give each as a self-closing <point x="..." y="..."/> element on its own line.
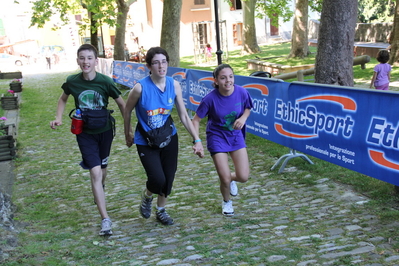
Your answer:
<point x="394" y="38"/>
<point x="170" y="33"/>
<point x="119" y="45"/>
<point x="334" y="60"/>
<point x="299" y="40"/>
<point x="93" y="31"/>
<point x="250" y="44"/>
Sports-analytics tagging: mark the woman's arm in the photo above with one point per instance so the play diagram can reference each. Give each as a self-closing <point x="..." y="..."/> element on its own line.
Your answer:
<point x="131" y="102"/>
<point x="185" y="119"/>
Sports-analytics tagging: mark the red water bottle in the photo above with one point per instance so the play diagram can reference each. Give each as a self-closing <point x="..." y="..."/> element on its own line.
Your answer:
<point x="77" y="122"/>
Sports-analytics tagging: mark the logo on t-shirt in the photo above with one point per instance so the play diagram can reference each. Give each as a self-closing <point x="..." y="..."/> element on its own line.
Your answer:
<point x="90" y="99"/>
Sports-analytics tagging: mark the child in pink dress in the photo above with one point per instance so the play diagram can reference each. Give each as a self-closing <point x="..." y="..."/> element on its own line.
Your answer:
<point x="381" y="76"/>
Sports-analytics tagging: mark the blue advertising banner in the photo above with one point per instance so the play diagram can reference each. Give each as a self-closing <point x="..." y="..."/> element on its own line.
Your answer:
<point x="350" y="127"/>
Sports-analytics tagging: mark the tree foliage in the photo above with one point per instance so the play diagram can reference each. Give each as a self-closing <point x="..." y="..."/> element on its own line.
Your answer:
<point x="99" y="12"/>
<point x="102" y="11"/>
<point x="370" y="11"/>
<point x="274" y="8"/>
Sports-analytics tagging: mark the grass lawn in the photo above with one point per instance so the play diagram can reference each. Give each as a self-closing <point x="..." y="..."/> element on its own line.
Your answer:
<point x="277" y="53"/>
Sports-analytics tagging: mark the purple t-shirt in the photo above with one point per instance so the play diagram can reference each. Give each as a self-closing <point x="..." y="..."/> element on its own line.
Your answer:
<point x="222" y="111"/>
<point x="382" y="70"/>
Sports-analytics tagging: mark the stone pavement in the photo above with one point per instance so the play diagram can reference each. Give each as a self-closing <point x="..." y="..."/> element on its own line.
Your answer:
<point x="280" y="218"/>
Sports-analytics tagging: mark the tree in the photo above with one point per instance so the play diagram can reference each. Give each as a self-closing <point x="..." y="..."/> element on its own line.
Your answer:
<point x="299" y="39"/>
<point x="121" y="18"/>
<point x="170" y="33"/>
<point x="111" y="12"/>
<point x="334" y="60"/>
<point x="375" y="11"/>
<point x="394" y="38"/>
<point x="260" y="9"/>
<point x="250" y="43"/>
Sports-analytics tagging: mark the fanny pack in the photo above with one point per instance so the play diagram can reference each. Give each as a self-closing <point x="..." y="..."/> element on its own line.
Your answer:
<point x="158" y="137"/>
<point x="95" y="119"/>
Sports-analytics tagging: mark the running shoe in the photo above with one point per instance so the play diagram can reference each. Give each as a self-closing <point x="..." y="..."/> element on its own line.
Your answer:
<point x="233" y="188"/>
<point x="106" y="227"/>
<point x="164" y="217"/>
<point x="227" y="208"/>
<point x="146" y="203"/>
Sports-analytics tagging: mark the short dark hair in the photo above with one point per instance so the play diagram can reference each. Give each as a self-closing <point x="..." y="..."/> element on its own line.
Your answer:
<point x="152" y="52"/>
<point x="217" y="70"/>
<point x="383" y="56"/>
<point x="88" y="46"/>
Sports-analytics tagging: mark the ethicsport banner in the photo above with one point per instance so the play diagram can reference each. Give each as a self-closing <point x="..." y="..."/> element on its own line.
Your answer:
<point x="355" y="128"/>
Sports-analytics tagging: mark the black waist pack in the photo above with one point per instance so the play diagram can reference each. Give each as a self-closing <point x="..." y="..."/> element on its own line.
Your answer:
<point x="158" y="137"/>
<point x="95" y="119"/>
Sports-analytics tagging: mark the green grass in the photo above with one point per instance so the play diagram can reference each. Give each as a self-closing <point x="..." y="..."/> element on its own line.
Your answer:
<point x="278" y="53"/>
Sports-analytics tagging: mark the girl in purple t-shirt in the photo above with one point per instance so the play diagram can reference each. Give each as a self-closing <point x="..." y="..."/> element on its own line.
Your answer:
<point x="381" y="76"/>
<point x="227" y="108"/>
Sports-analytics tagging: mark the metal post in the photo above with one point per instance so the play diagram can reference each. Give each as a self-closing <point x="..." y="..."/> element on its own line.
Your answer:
<point x="218" y="52"/>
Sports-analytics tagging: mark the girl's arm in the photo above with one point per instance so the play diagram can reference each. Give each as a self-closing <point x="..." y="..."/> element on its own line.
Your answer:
<point x="373" y="80"/>
<point x="240" y="122"/>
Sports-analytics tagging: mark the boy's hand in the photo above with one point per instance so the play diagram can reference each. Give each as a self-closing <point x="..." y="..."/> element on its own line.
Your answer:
<point x="129" y="139"/>
<point x="55" y="123"/>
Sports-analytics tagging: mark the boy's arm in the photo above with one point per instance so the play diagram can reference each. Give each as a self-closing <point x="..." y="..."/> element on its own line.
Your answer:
<point x="60" y="110"/>
<point x="121" y="104"/>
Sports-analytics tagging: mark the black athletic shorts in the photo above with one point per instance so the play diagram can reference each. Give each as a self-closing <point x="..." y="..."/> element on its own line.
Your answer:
<point x="95" y="148"/>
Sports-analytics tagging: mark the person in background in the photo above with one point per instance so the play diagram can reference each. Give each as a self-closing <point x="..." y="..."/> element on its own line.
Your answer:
<point x="92" y="90"/>
<point x="382" y="72"/>
<point x="153" y="98"/>
<point x="127" y="54"/>
<point x="48" y="55"/>
<point x="208" y="53"/>
<point x="227" y="108"/>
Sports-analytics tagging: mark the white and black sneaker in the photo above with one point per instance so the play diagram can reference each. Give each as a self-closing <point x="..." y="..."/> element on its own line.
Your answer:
<point x="106" y="229"/>
<point x="233" y="188"/>
<point x="227" y="208"/>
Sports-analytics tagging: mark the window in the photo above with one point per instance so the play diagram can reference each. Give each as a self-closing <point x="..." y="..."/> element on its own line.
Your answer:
<point x="235" y="4"/>
<point x="199" y="2"/>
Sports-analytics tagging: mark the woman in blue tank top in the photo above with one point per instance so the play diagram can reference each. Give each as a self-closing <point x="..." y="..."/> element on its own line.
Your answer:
<point x="153" y="97"/>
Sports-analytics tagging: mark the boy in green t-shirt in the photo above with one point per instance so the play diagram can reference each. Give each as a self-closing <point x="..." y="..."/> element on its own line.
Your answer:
<point x="91" y="91"/>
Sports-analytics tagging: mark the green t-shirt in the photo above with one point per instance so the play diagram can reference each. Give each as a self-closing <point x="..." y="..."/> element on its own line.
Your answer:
<point x="91" y="94"/>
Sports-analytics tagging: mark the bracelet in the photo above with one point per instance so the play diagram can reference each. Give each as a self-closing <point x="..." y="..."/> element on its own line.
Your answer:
<point x="197" y="140"/>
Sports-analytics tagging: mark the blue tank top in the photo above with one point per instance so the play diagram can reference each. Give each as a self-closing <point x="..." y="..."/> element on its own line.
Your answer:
<point x="154" y="106"/>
